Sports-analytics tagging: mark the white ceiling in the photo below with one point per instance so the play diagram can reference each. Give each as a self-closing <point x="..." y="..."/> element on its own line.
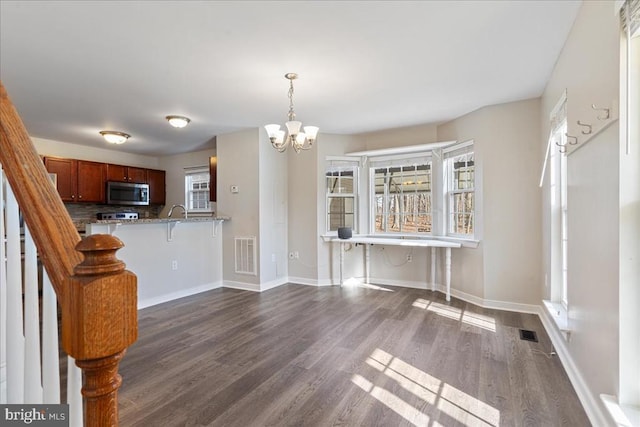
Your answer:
<point x="74" y="68"/>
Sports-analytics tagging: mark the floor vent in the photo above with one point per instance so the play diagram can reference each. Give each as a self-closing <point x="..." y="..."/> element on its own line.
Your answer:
<point x="527" y="335"/>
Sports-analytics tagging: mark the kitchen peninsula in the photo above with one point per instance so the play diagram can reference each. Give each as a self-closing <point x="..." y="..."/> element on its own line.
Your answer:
<point x="172" y="258"/>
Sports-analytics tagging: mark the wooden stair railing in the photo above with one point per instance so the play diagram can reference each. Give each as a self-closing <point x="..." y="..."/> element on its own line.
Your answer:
<point x="97" y="296"/>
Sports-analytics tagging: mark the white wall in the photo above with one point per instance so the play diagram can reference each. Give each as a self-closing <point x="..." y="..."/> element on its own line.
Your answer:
<point x="588" y="68"/>
<point x="506" y="138"/>
<point x="273" y="200"/>
<point x="47" y="147"/>
<point x="302" y="213"/>
<point x="400" y="137"/>
<point x="238" y="165"/>
<point x="174" y="167"/>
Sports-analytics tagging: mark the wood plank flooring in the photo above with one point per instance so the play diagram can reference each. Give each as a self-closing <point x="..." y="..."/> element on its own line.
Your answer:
<point x="330" y="356"/>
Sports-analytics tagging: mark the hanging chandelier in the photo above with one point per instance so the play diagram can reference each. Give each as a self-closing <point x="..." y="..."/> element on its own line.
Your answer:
<point x="298" y="140"/>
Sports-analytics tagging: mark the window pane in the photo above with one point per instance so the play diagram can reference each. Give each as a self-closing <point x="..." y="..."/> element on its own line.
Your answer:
<point x="463" y="202"/>
<point x="339" y="220"/>
<point x="197" y="191"/>
<point x="340" y="182"/>
<point x="460" y="187"/>
<point x="402" y="199"/>
<point x="463" y="172"/>
<point x="462" y="223"/>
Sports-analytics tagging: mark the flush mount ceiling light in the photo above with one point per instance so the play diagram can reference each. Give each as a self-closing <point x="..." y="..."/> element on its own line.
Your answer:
<point x="114" y="137"/>
<point x="298" y="140"/>
<point x="178" y="121"/>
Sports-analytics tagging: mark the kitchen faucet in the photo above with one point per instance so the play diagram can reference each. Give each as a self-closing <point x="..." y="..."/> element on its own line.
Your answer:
<point x="178" y="206"/>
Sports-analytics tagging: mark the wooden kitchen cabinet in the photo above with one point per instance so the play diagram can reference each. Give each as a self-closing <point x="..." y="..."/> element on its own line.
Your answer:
<point x="78" y="180"/>
<point x="213" y="170"/>
<point x="66" y="176"/>
<point x="91" y="181"/>
<point x="157" y="186"/>
<point x="126" y="174"/>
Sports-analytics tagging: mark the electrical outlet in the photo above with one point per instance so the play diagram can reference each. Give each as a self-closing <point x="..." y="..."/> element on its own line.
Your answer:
<point x="409" y="258"/>
<point x="174" y="264"/>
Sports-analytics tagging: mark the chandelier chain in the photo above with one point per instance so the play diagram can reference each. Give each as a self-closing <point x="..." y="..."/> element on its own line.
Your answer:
<point x="292" y="114"/>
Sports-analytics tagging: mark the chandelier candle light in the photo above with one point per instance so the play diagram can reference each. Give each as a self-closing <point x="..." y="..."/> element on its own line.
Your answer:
<point x="298" y="140"/>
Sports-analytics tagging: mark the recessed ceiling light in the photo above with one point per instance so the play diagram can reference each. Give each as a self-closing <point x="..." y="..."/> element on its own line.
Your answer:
<point x="178" y="121"/>
<point x="115" y="137"/>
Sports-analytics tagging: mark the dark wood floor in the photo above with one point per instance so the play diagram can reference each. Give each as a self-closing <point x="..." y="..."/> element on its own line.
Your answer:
<point x="306" y="356"/>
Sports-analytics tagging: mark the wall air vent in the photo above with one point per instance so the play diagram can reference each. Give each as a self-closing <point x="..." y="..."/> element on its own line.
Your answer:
<point x="245" y="250"/>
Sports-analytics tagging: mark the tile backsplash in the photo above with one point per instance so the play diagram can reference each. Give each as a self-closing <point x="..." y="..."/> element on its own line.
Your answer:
<point x="86" y="212"/>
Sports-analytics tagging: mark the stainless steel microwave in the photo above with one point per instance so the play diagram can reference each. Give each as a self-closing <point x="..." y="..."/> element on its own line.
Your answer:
<point x="124" y="193"/>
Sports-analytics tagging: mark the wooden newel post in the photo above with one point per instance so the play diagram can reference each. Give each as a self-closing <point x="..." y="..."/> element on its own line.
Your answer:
<point x="101" y="322"/>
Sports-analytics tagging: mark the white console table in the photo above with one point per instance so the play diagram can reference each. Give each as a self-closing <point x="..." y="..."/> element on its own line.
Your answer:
<point x="431" y="243"/>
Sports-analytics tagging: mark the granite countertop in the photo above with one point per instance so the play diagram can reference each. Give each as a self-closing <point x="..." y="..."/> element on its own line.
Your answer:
<point x="82" y="224"/>
<point x="160" y="220"/>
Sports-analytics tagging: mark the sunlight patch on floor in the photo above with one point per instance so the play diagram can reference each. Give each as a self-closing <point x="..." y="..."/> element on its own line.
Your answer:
<point x="454" y="403"/>
<point x="469" y="318"/>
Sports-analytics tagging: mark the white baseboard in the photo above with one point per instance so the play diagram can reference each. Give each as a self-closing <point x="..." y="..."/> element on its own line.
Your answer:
<point x="309" y="282"/>
<point x="494" y="304"/>
<point x="148" y="302"/>
<point x="303" y="281"/>
<point x="588" y="400"/>
<point x="241" y="285"/>
<point x="402" y="283"/>
<point x="272" y="284"/>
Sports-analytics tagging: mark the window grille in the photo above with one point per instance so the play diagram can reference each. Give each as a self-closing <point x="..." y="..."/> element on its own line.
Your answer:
<point x="341" y="189"/>
<point x="460" y="189"/>
<point x="197" y="189"/>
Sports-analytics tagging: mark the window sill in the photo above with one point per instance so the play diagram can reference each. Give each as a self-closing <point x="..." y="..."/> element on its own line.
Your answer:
<point x="622" y="415"/>
<point x="559" y="316"/>
<point x="466" y="243"/>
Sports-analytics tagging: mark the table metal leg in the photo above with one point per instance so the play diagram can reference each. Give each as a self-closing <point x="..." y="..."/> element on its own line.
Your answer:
<point x="367" y="257"/>
<point x="448" y="269"/>
<point x="341" y="262"/>
<point x="433" y="268"/>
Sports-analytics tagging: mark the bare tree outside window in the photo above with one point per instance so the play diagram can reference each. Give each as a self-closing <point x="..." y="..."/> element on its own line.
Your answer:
<point x="461" y="193"/>
<point x="403" y="199"/>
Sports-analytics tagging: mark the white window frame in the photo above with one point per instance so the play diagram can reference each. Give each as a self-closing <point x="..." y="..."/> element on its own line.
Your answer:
<point x="449" y="154"/>
<point x="336" y="164"/>
<point x="188" y="174"/>
<point x="416" y="160"/>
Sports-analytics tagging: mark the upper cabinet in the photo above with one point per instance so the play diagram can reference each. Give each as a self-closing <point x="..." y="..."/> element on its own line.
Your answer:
<point x="81" y="181"/>
<point x="126" y="174"/>
<point x="157" y="186"/>
<point x="78" y="180"/>
<point x="66" y="172"/>
<point x="213" y="170"/>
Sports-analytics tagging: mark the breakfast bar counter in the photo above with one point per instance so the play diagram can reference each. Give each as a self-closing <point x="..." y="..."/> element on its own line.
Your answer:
<point x="172" y="258"/>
